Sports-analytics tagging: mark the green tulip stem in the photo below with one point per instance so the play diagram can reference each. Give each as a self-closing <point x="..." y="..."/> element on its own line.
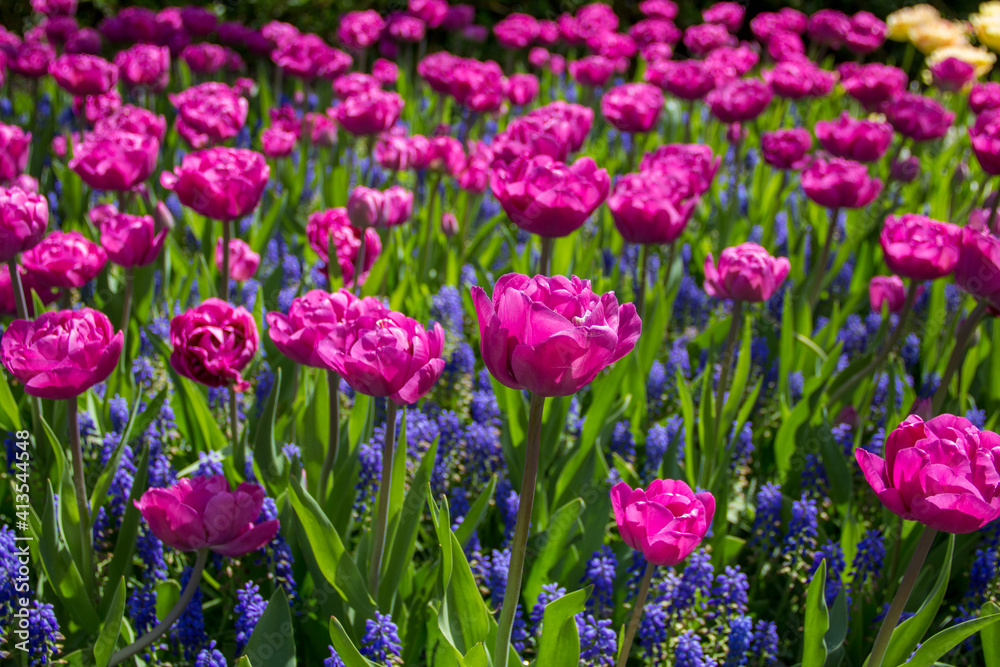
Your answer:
<point x="512" y="593"/>
<point x="384" y="484"/>
<point x="993" y="209"/>
<point x="824" y="257"/>
<point x="15" y="281"/>
<point x="333" y="389"/>
<point x="957" y="354"/>
<point x="226" y="235"/>
<point x="428" y="230"/>
<point x="735" y="324"/>
<point x="640" y="289"/>
<point x="902" y="595"/>
<point x="80" y="490"/>
<point x="633" y="624"/>
<point x="545" y="258"/>
<point x="359" y="263"/>
<point x="189" y="590"/>
<point x="239" y="453"/>
<point x="875" y="367"/>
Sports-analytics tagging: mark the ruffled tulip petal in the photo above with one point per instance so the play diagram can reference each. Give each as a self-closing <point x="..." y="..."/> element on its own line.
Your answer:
<point x="254" y="539"/>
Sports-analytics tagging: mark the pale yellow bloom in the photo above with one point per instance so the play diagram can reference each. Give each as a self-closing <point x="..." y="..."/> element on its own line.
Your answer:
<point x="987" y="28"/>
<point x="976" y="56"/>
<point x="902" y="21"/>
<point x="933" y="35"/>
<point x="991" y="8"/>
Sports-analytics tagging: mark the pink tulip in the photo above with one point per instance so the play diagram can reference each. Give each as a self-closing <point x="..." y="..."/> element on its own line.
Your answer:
<point x="952" y="74"/>
<point x="798" y="79"/>
<point x="54" y="7"/>
<point x="23" y="219"/>
<point x="198" y="21"/>
<point x="546" y="197"/>
<point x="334" y="227"/>
<point x="684" y="79"/>
<point x="739" y="101"/>
<point x="303" y="55"/>
<point x="829" y="27"/>
<point x="666" y="522"/>
<point x="632" y="107"/>
<point x="243" y="261"/>
<point x="369" y="113"/>
<point x="917" y="117"/>
<point x="32" y="60"/>
<point x="784" y="46"/>
<point x="64" y="259"/>
<point x="314" y="317"/>
<point x="475" y="175"/>
<point x="115" y="159"/>
<point x="385" y="354"/>
<point x="592" y="71"/>
<point x="706" y="37"/>
<point x="405" y="29"/>
<point x="204" y="513"/>
<point x="14" y="146"/>
<point x="941" y="473"/>
<point x="97" y="107"/>
<point x="360" y="30"/>
<point x="984" y="96"/>
<point x="861" y="140"/>
<point x="212" y="343"/>
<point x="135" y="120"/>
<point x="978" y="268"/>
<point x="786" y="149"/>
<point x="557" y="130"/>
<point x="728" y="14"/>
<point x="839" y="183"/>
<point x="516" y="30"/>
<point x="984" y="135"/>
<point x="385" y="71"/>
<point x="866" y="33"/>
<point x="130" y="240"/>
<point x="521" y="89"/>
<point x="204" y="57"/>
<point x="61" y="354"/>
<point x="220" y="183"/>
<point x="650" y="207"/>
<point x="728" y="63"/>
<point x="277" y="142"/>
<point x="455" y="17"/>
<point x="655" y="31"/>
<point x="551" y="336"/>
<point x="746" y="272"/>
<point x="449" y="224"/>
<point x="886" y="290"/>
<point x="874" y="83"/>
<point x="81" y="74"/>
<point x="920" y="248"/>
<point x="209" y="114"/>
<point x="666" y="9"/>
<point x="694" y="163"/>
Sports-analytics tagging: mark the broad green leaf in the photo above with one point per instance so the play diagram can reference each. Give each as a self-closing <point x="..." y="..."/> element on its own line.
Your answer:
<point x="106" y="642"/>
<point x="908" y="634"/>
<point x="337" y="566"/>
<point x="990" y="637"/>
<point x="940" y="644"/>
<point x="559" y="645"/>
<point x="270" y="463"/>
<point x="10" y="416"/>
<point x="345" y="648"/>
<point x="817" y="621"/>
<point x="475" y="514"/>
<point x="272" y="642"/>
<point x="550" y="547"/>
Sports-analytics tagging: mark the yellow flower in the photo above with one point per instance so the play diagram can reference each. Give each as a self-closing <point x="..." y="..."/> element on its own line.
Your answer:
<point x="987" y="29"/>
<point x="991" y="8"/>
<point x="976" y="56"/>
<point x="933" y="35"/>
<point x="902" y="21"/>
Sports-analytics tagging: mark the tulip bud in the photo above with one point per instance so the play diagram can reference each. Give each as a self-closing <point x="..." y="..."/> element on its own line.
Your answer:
<point x="736" y="133"/>
<point x="906" y="171"/>
<point x="364" y="207"/>
<point x="449" y="224"/>
<point x="162" y="216"/>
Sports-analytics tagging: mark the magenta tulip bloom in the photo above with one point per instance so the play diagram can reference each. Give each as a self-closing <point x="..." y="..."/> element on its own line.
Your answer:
<point x="666" y="9"/>
<point x="312" y="318"/>
<point x="212" y="343"/>
<point x="728" y="14"/>
<point x="61" y="354"/>
<point x="521" y="89"/>
<point x="861" y="140"/>
<point x="684" y="79"/>
<point x="204" y="513"/>
<point x="952" y="74"/>
<point x="706" y="37"/>
<point x="839" y="183"/>
<point x="354" y="83"/>
<point x="385" y="354"/>
<point x="135" y="120"/>
<point x="666" y="522"/>
<point x="23" y="219"/>
<point x="131" y="240"/>
<point x="82" y="74"/>
<point x="546" y="197"/>
<point x="984" y="135"/>
<point x="829" y="27"/>
<point x="632" y="107"/>
<point x="14" y="146"/>
<point x="920" y="248"/>
<point x="746" y="272"/>
<point x="942" y="473"/>
<point x="334" y="227"/>
<point x="385" y="71"/>
<point x="651" y="207"/>
<point x="557" y="130"/>
<point x="198" y="21"/>
<point x="918" y="117"/>
<point x="359" y="30"/>
<point x="866" y="33"/>
<point x="516" y="30"/>
<point x="978" y="268"/>
<point x="592" y="71"/>
<point x="786" y="149"/>
<point x="54" y="7"/>
<point x="243" y="261"/>
<point x="740" y="100"/>
<point x="551" y="336"/>
<point x="219" y="183"/>
<point x="115" y="159"/>
<point x="209" y="114"/>
<point x="32" y="60"/>
<point x="874" y="83"/>
<point x="64" y="259"/>
<point x="277" y="142"/>
<point x="302" y="55"/>
<point x="694" y="163"/>
<point x="886" y="290"/>
<point x="369" y="113"/>
<point x="798" y="79"/>
<point x="655" y="31"/>
<point x="984" y="96"/>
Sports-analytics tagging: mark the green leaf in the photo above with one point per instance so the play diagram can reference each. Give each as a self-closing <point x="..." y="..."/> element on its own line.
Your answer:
<point x="937" y="646"/>
<point x="476" y="513"/>
<point x="990" y="637"/>
<point x="908" y="634"/>
<point x="244" y="662"/>
<point x="168" y="593"/>
<point x="463" y="607"/>
<point x="99" y="495"/>
<point x="477" y="656"/>
<point x="11" y="416"/>
<point x="817" y="621"/>
<point x="337" y="566"/>
<point x="269" y="462"/>
<point x="345" y="648"/>
<point x="273" y="640"/>
<point x="106" y="642"/>
<point x="559" y="645"/>
<point x="550" y="547"/>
